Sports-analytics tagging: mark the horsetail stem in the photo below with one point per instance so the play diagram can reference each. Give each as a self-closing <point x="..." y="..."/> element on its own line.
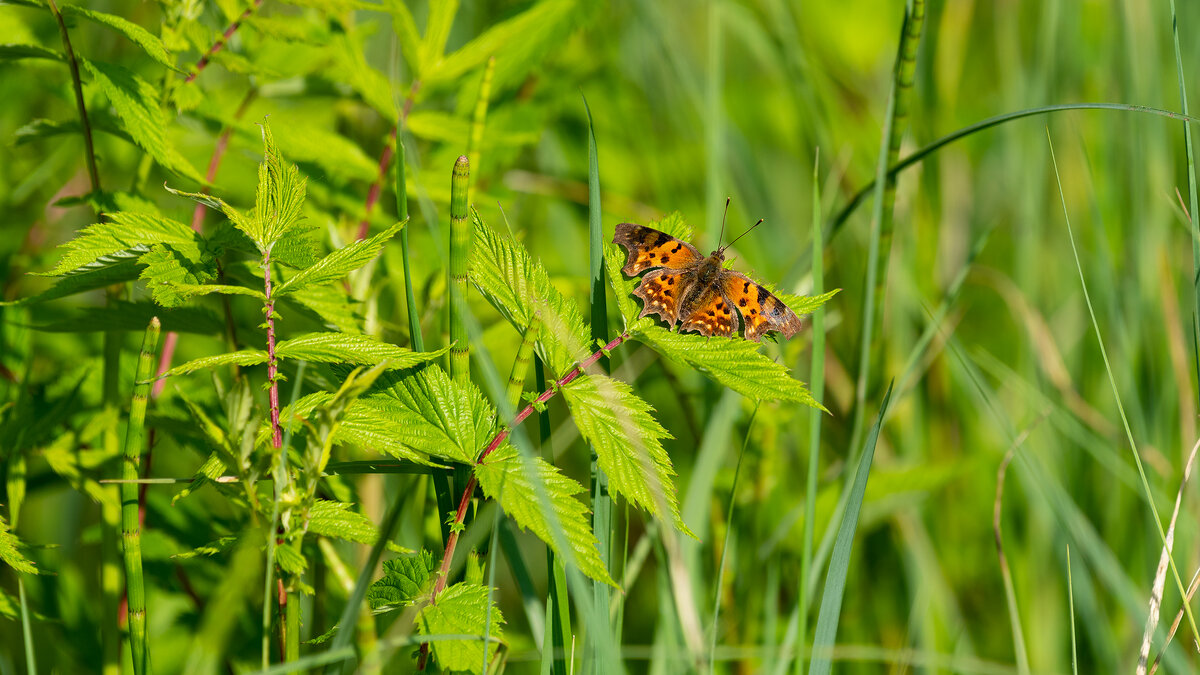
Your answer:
<point x="516" y="380"/>
<point x="460" y="250"/>
<point x="135" y="588"/>
<point x="480" y="116"/>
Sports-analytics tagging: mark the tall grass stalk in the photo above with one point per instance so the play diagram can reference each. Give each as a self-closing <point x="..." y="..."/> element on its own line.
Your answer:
<point x="460" y="251"/>
<point x="1071" y="605"/>
<point x="135" y="436"/>
<point x="602" y="507"/>
<point x="817" y="385"/>
<point x="416" y="341"/>
<point x="478" y="120"/>
<point x="1137" y="458"/>
<point x="1193" y="199"/>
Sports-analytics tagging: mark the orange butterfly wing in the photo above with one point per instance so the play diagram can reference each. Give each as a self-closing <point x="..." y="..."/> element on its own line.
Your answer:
<point x="761" y="311"/>
<point x="713" y="315"/>
<point x="646" y="247"/>
<point x="661" y="291"/>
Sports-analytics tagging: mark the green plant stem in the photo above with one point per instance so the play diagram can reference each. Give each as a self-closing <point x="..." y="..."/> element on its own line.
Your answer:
<point x="817" y="387"/>
<point x="880" y="242"/>
<point x="416" y="340"/>
<point x="131" y="528"/>
<point x="520" y="369"/>
<point x="737" y="472"/>
<point x="77" y="83"/>
<point x="478" y="120"/>
<point x="460" y="252"/>
<point x="292" y="633"/>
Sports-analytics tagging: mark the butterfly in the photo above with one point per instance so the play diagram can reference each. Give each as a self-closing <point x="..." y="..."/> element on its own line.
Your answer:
<point x="687" y="287"/>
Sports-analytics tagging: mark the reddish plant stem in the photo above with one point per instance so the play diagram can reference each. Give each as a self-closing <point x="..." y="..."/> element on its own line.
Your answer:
<point x="460" y="516"/>
<point x="203" y="62"/>
<point x="272" y="362"/>
<point x="385" y="159"/>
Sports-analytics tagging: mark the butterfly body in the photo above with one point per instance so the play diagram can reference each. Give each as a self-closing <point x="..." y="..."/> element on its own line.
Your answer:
<point x="698" y="292"/>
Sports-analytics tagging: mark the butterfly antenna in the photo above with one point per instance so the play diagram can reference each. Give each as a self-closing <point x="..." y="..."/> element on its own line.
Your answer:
<point x="760" y="222"/>
<point x="722" y="234"/>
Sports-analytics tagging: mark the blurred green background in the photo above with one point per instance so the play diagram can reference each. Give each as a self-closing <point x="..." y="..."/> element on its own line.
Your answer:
<point x="983" y="324"/>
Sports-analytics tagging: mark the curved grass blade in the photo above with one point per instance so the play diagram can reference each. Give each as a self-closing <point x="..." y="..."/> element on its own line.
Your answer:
<point x="839" y="562"/>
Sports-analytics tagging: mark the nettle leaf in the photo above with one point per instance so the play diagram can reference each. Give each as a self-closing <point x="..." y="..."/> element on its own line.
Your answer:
<point x="735" y="363"/>
<point x="341" y="262"/>
<point x="628" y="443"/>
<point x="354" y="349"/>
<point x="245" y="357"/>
<point x="329" y="304"/>
<point x="505" y="477"/>
<point x="136" y="103"/>
<point x="334" y="519"/>
<point x="449" y="419"/>
<point x="143" y="38"/>
<point x="518" y="287"/>
<point x="405" y="580"/>
<point x="280" y="195"/>
<point x="462" y="609"/>
<point x="10" y="553"/>
<point x="124" y="236"/>
<point x="369" y="422"/>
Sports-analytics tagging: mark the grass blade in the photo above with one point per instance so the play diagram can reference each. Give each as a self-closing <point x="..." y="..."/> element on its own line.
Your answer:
<point x="839" y="562"/>
<point x="602" y="507"/>
<point x="417" y="342"/>
<point x="135" y="587"/>
<point x="1071" y="598"/>
<point x="1137" y="458"/>
<point x="817" y="388"/>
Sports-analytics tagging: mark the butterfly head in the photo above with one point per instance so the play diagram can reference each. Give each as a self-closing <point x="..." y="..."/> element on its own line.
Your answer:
<point x="719" y="254"/>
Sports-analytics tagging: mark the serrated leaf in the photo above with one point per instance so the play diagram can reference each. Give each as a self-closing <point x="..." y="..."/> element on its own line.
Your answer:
<point x="245" y="357"/>
<point x="628" y="443"/>
<point x="290" y="560"/>
<point x="461" y="609"/>
<point x="143" y="38"/>
<point x="455" y="420"/>
<point x="405" y="579"/>
<point x="354" y="349"/>
<point x="207" y="550"/>
<point x="12" y="52"/>
<point x="136" y="103"/>
<point x="279" y="197"/>
<point x="328" y="518"/>
<point x="10" y="553"/>
<point x="331" y="305"/>
<point x="168" y="269"/>
<point x="124" y="235"/>
<point x="505" y="477"/>
<point x="341" y="262"/>
<point x="518" y="287"/>
<point x="238" y="219"/>
<point x="370" y="424"/>
<point x="100" y="276"/>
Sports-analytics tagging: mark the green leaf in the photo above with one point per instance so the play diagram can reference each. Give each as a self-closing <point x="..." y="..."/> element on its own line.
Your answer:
<point x="506" y="478"/>
<point x="406" y="34"/>
<point x="12" y="52"/>
<point x="355" y="349"/>
<point x="208" y="550"/>
<point x="461" y="609"/>
<point x="239" y="220"/>
<point x="143" y="38"/>
<point x="329" y="305"/>
<point x="405" y="579"/>
<point x="334" y="519"/>
<point x="245" y="357"/>
<point x="507" y="276"/>
<point x="98" y="276"/>
<point x="10" y="553"/>
<point x="280" y="195"/>
<point x="136" y="103"/>
<point x="334" y="153"/>
<point x="839" y="561"/>
<point x="341" y="262"/>
<point x="441" y="418"/>
<point x="518" y="44"/>
<point x="133" y="316"/>
<point x="437" y="32"/>
<point x="370" y="423"/>
<point x="124" y="236"/>
<point x="628" y="443"/>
